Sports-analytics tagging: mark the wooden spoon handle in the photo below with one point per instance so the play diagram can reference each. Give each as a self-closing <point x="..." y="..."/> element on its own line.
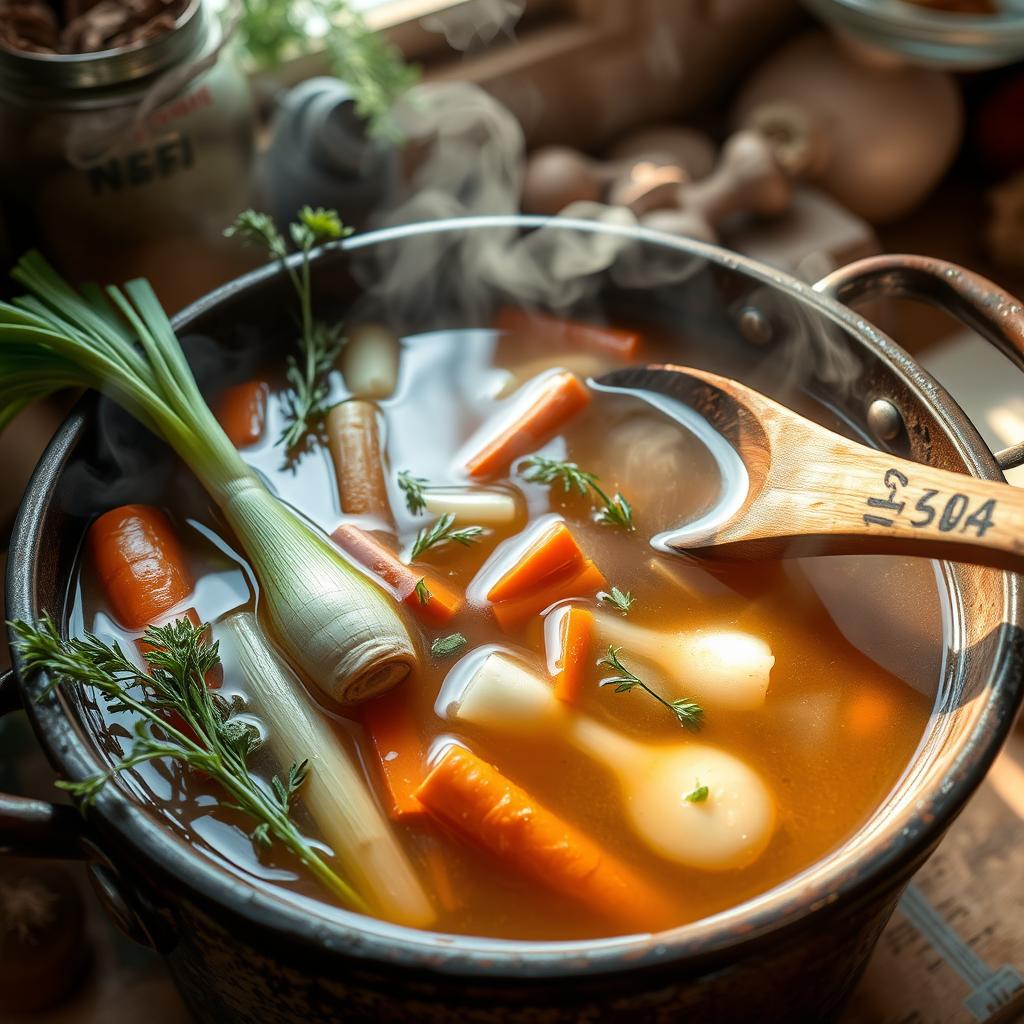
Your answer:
<point x="841" y="497"/>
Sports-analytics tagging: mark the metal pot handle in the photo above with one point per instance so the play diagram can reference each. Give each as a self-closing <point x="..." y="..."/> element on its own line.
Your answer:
<point x="36" y="828"/>
<point x="975" y="301"/>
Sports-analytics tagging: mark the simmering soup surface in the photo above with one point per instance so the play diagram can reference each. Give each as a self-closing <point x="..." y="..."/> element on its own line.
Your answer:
<point x="694" y="807"/>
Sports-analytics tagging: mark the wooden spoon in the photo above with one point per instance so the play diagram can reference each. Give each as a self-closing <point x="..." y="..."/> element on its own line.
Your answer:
<point x="813" y="492"/>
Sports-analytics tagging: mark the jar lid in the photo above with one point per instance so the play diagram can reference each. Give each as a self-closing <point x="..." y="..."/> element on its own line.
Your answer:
<point x="48" y="73"/>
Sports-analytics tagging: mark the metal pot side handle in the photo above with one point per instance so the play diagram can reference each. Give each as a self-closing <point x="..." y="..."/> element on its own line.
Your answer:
<point x="36" y="828"/>
<point x="974" y="300"/>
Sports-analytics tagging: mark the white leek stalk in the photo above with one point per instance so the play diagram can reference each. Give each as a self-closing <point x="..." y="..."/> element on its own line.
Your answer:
<point x="333" y="623"/>
<point x="718" y="668"/>
<point x="369" y="361"/>
<point x="729" y="827"/>
<point x="335" y="792"/>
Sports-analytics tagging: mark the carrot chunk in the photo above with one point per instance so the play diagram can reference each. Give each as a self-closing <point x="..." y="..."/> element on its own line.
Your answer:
<point x="581" y="581"/>
<point x="139" y="563"/>
<point x="391" y="726"/>
<point x="477" y="801"/>
<point x="552" y="553"/>
<point x="400" y="580"/>
<point x="242" y="411"/>
<point x="554" y="400"/>
<point x="612" y="340"/>
<point x="576" y="635"/>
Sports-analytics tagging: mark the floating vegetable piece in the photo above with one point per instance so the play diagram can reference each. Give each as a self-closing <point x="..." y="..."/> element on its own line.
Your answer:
<point x="390" y="723"/>
<point x="547" y="404"/>
<point x="477" y="505"/>
<point x="582" y="582"/>
<point x="476" y="800"/>
<point x="576" y="635"/>
<point x="560" y="333"/>
<point x="729" y="830"/>
<point x="553" y="554"/>
<point x="719" y="668"/>
<point x="354" y="441"/>
<point x="335" y="791"/>
<point x="139" y="564"/>
<point x="427" y="596"/>
<point x="333" y="623"/>
<point x="620" y="600"/>
<point x="242" y="411"/>
<point x="369" y="361"/>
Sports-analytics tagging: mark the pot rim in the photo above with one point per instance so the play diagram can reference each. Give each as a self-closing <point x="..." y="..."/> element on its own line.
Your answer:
<point x="884" y="860"/>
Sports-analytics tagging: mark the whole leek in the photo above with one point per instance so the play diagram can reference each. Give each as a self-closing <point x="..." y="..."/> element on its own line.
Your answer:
<point x="334" y="625"/>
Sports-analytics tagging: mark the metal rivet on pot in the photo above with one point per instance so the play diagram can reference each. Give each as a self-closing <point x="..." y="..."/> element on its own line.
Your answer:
<point x="755" y="327"/>
<point x="884" y="420"/>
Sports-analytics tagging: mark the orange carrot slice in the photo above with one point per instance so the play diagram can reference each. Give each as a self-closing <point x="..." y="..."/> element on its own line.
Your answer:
<point x="576" y="635"/>
<point x="578" y="582"/>
<point x="242" y="411"/>
<point x="391" y="726"/>
<point x="554" y="400"/>
<point x="139" y="563"/>
<point x="477" y="801"/>
<point x="612" y="340"/>
<point x="555" y="552"/>
<point x="440" y="604"/>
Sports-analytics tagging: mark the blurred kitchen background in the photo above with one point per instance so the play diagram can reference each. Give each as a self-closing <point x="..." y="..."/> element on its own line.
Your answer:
<point x="806" y="135"/>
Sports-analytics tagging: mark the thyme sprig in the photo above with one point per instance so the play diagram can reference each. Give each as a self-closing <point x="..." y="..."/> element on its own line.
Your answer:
<point x="620" y="600"/>
<point x="211" y="739"/>
<point x="441" y="532"/>
<point x="688" y="713"/>
<point x="616" y="510"/>
<point x="318" y="343"/>
<point x="414" y="489"/>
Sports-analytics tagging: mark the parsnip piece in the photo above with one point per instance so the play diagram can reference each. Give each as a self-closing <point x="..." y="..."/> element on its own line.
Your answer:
<point x="473" y="506"/>
<point x="729" y="829"/>
<point x="369" y="361"/>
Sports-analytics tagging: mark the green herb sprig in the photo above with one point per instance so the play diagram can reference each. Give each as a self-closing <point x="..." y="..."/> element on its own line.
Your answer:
<point x="271" y="32"/>
<point x="445" y="646"/>
<point x="414" y="489"/>
<point x="688" y="713"/>
<point x="698" y="794"/>
<point x="214" y="742"/>
<point x="422" y="590"/>
<point x="621" y="601"/>
<point x="318" y="343"/>
<point x="616" y="510"/>
<point x="441" y="532"/>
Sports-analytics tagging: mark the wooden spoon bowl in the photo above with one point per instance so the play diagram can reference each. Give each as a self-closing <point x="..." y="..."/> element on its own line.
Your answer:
<point x="813" y="492"/>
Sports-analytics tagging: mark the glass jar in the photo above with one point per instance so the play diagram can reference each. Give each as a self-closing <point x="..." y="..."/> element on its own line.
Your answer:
<point x="130" y="162"/>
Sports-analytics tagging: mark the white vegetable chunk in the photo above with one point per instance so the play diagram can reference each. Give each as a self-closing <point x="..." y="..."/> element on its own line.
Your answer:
<point x="369" y="361"/>
<point x="728" y="829"/>
<point x="719" y="668"/>
<point x="473" y="506"/>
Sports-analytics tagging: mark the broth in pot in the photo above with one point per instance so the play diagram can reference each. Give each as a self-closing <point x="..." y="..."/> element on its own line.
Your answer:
<point x="596" y="737"/>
